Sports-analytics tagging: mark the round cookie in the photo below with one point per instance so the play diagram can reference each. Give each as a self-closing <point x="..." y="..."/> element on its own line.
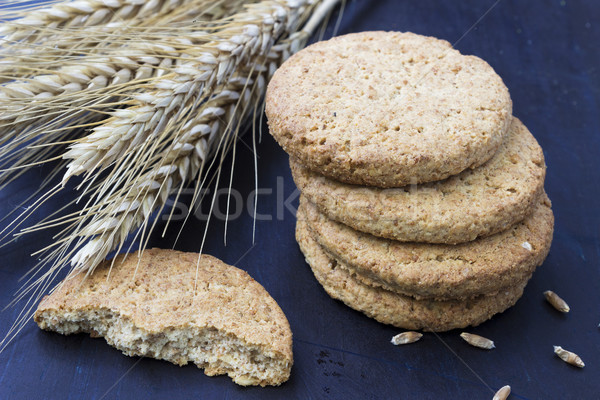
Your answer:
<point x="477" y="202"/>
<point x="395" y="309"/>
<point x="387" y="109"/>
<point x="438" y="271"/>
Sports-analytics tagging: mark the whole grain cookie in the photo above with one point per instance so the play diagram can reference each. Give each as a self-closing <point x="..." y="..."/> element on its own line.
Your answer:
<point x="176" y="307"/>
<point x="395" y="309"/>
<point x="477" y="202"/>
<point x="387" y="109"/>
<point x="438" y="271"/>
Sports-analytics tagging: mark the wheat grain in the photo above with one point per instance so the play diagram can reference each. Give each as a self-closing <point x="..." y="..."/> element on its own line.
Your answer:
<point x="478" y="341"/>
<point x="568" y="357"/>
<point x="556" y="301"/>
<point x="503" y="393"/>
<point x="406" y="337"/>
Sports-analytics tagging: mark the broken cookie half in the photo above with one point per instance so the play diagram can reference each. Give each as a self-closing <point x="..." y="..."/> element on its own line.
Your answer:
<point x="174" y="306"/>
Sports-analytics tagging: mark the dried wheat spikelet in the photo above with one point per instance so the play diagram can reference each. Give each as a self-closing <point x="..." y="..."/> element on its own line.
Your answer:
<point x="252" y="36"/>
<point x="48" y="38"/>
<point x="35" y="110"/>
<point x="214" y="128"/>
<point x="36" y="25"/>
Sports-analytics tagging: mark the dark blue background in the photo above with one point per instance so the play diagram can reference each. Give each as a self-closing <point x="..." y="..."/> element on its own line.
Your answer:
<point x="548" y="55"/>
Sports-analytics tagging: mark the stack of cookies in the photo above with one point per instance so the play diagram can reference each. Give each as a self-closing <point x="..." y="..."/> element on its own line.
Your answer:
<point x="423" y="202"/>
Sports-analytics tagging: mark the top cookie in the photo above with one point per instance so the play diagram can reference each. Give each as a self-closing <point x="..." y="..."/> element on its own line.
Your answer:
<point x="387" y="109"/>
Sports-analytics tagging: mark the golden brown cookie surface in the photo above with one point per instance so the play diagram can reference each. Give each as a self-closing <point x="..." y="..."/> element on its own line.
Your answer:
<point x="161" y="306"/>
<point x="387" y="109"/>
<point x="395" y="309"/>
<point x="423" y="270"/>
<point x="477" y="202"/>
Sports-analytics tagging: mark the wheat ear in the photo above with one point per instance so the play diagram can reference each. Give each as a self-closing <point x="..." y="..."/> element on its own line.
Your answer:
<point x="51" y="47"/>
<point x="251" y="34"/>
<point x="32" y="128"/>
<point x="214" y="129"/>
<point x="35" y="26"/>
<point x="39" y="110"/>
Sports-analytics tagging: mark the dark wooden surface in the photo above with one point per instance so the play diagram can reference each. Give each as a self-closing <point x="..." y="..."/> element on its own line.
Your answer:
<point x="548" y="55"/>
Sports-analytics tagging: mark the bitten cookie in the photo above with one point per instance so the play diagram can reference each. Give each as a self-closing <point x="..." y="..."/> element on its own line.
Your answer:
<point x="477" y="202"/>
<point x="395" y="309"/>
<point x="483" y="266"/>
<point x="153" y="306"/>
<point x="387" y="109"/>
